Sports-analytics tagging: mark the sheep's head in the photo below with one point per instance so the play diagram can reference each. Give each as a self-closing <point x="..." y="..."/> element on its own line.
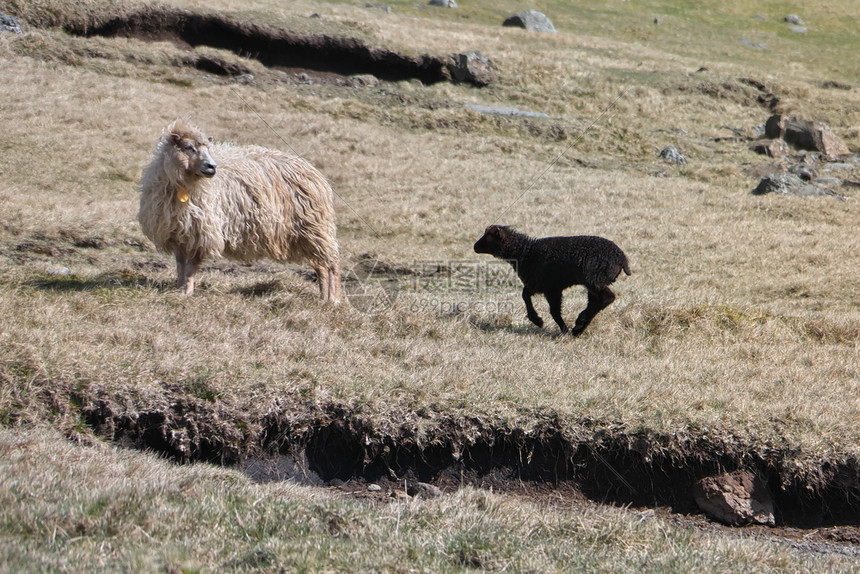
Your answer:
<point x="189" y="151"/>
<point x="494" y="238"/>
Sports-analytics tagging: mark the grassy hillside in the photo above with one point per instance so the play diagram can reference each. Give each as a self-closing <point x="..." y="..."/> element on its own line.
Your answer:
<point x="733" y="344"/>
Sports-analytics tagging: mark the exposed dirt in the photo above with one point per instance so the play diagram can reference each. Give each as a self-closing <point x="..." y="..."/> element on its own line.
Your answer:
<point x="334" y="448"/>
<point x="331" y="444"/>
<point x="273" y="47"/>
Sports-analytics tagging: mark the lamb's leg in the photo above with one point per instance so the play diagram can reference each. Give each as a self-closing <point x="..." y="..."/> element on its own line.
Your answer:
<point x="530" y="309"/>
<point x="554" y="300"/>
<point x="598" y="299"/>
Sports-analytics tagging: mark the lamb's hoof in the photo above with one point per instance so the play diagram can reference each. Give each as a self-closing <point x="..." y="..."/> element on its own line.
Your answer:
<point x="576" y="331"/>
<point x="538" y="322"/>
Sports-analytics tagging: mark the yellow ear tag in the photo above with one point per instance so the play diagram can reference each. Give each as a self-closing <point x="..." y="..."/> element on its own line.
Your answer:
<point x="182" y="194"/>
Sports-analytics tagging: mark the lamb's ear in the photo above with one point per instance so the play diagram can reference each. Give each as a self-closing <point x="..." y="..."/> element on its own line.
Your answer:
<point x="209" y="139"/>
<point x="175" y="138"/>
<point x="502" y="231"/>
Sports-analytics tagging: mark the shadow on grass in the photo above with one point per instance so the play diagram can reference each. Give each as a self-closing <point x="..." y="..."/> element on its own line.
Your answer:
<point x="72" y="283"/>
<point x="491" y="326"/>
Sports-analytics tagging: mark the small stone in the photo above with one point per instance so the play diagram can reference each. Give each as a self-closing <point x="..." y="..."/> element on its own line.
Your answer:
<point x="424" y="490"/>
<point x="9" y="24"/>
<point x="504" y="111"/>
<point x="795" y="19"/>
<point x="672" y="155"/>
<point x="362" y="81"/>
<point x="444" y="3"/>
<point x="383" y="7"/>
<point x="771" y="148"/>
<point x="374" y="487"/>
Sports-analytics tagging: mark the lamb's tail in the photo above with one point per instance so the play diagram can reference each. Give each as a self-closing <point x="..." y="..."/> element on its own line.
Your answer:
<point x="626" y="266"/>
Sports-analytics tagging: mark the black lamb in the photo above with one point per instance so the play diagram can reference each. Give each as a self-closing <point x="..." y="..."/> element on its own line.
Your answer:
<point x="550" y="265"/>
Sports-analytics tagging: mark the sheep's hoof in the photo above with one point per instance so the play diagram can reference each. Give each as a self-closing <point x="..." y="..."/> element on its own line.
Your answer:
<point x="576" y="331"/>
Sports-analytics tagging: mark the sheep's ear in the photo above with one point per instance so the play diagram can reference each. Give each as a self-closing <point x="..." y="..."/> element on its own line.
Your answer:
<point x="209" y="139"/>
<point x="175" y="138"/>
<point x="501" y="231"/>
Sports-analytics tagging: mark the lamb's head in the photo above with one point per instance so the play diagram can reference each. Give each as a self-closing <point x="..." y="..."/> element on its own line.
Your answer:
<point x="187" y="151"/>
<point x="493" y="240"/>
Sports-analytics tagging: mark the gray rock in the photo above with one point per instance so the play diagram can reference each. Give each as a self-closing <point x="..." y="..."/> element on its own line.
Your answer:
<point x="803" y="171"/>
<point x="827" y="181"/>
<point x="9" y="24"/>
<point x="531" y="20"/>
<point x="471" y="67"/>
<point x="362" y="81"/>
<point x="503" y="111"/>
<point x="798" y="29"/>
<point x="791" y="184"/>
<point x="374" y="488"/>
<point x="383" y="7"/>
<point x="424" y="490"/>
<point x="752" y="44"/>
<point x="770" y="148"/>
<point x="735" y="498"/>
<point x="795" y="19"/>
<point x="672" y="155"/>
<point x="444" y="3"/>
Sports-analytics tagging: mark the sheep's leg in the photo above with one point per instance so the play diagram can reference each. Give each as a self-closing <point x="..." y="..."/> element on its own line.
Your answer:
<point x="554" y="300"/>
<point x="334" y="282"/>
<point x="530" y="309"/>
<point x="323" y="280"/>
<point x="185" y="269"/>
<point x="598" y="299"/>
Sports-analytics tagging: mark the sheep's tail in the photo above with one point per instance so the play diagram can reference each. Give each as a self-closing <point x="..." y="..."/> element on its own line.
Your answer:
<point x="626" y="266"/>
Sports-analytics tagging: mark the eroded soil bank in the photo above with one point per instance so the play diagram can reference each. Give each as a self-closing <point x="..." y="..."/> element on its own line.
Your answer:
<point x="273" y="47"/>
<point x="332" y="444"/>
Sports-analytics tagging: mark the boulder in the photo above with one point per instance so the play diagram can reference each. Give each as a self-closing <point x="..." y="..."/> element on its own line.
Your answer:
<point x="531" y="20"/>
<point x="735" y="498"/>
<point x="471" y="67"/>
<point x="805" y="134"/>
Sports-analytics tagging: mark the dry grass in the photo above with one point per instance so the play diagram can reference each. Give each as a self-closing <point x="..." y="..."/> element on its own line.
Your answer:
<point x="73" y="508"/>
<point x="741" y="319"/>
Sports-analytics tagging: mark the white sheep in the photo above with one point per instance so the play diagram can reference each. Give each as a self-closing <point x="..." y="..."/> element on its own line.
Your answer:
<point x="201" y="199"/>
